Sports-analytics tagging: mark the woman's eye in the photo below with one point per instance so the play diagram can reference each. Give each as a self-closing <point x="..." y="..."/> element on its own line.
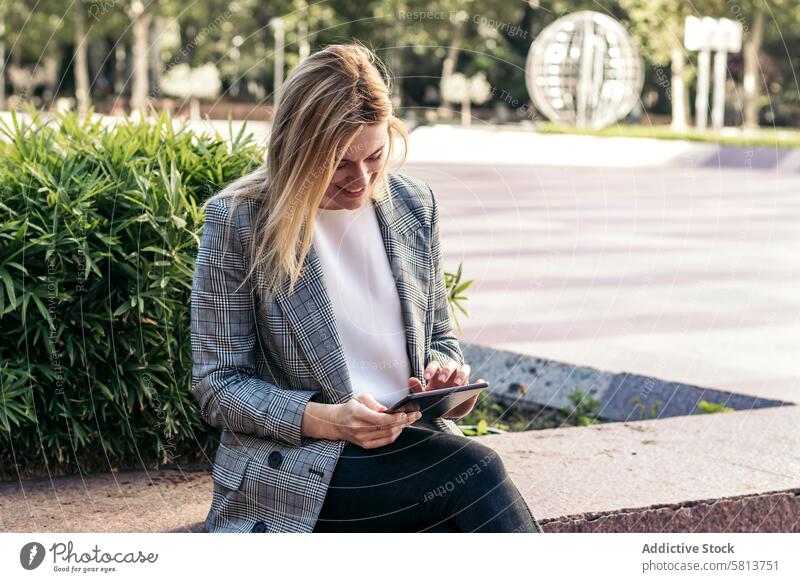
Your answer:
<point x="370" y="159"/>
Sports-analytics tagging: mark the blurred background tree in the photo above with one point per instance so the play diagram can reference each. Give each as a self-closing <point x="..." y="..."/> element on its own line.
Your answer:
<point x="112" y="54"/>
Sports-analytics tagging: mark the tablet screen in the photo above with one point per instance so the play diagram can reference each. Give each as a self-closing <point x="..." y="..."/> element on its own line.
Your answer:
<point x="436" y="403"/>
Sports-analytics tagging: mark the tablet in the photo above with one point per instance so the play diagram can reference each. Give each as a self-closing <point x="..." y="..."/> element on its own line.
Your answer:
<point x="436" y="403"/>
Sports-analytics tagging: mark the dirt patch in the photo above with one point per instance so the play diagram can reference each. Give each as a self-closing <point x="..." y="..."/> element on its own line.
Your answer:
<point x="175" y="499"/>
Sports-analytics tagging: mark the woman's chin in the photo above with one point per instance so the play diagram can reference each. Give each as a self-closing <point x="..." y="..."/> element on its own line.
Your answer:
<point x="342" y="199"/>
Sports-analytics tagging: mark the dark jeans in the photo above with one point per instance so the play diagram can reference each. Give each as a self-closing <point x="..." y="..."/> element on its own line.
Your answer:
<point x="426" y="480"/>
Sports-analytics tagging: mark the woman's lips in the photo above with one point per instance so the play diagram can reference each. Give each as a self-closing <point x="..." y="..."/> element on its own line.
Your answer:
<point x="350" y="194"/>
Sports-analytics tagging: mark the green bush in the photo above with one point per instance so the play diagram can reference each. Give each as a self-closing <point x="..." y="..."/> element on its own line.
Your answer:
<point x="99" y="227"/>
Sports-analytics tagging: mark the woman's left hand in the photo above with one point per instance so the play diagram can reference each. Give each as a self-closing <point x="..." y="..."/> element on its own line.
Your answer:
<point x="451" y="374"/>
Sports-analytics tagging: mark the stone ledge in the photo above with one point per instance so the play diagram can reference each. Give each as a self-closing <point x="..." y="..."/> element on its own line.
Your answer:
<point x="768" y="512"/>
<point x="728" y="472"/>
<point x="611" y="475"/>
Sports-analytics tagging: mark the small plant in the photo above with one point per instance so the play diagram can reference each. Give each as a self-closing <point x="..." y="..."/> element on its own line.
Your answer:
<point x="455" y="288"/>
<point x="583" y="411"/>
<point x="480" y="429"/>
<point x="705" y="407"/>
<point x="652" y="413"/>
<point x="484" y="413"/>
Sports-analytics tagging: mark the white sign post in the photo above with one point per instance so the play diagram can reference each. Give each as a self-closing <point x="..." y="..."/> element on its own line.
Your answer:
<point x="705" y="35"/>
<point x="279" y="27"/>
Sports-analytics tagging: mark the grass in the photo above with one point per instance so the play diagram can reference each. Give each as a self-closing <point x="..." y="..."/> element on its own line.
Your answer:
<point x="767" y="137"/>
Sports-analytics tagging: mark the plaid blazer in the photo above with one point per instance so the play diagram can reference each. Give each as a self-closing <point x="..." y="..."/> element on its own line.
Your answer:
<point x="254" y="366"/>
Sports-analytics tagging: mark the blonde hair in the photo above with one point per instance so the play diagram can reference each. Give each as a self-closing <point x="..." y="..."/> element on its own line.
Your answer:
<point x="327" y="100"/>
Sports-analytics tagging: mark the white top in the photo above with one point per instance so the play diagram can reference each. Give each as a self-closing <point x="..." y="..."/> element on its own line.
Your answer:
<point x="363" y="292"/>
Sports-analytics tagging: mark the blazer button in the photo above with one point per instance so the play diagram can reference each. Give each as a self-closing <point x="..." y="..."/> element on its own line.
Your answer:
<point x="259" y="527"/>
<point x="275" y="459"/>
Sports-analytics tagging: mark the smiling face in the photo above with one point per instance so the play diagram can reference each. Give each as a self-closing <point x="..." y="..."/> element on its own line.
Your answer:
<point x="358" y="170"/>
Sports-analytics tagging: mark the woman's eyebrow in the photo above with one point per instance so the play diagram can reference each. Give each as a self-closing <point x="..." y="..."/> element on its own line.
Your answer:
<point x="369" y="156"/>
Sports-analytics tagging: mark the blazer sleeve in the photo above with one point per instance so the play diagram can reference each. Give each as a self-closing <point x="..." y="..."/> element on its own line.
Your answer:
<point x="223" y="334"/>
<point x="444" y="343"/>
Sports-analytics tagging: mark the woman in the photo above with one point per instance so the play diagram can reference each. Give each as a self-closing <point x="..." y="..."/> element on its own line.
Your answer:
<point x="318" y="301"/>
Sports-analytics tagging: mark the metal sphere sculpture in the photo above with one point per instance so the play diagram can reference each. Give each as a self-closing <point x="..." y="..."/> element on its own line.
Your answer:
<point x="584" y="70"/>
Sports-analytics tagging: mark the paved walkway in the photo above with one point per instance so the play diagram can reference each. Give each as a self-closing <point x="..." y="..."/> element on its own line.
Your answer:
<point x="686" y="274"/>
<point x="520" y="145"/>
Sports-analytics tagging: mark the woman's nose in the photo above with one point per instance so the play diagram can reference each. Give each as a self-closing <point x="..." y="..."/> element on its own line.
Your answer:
<point x="358" y="177"/>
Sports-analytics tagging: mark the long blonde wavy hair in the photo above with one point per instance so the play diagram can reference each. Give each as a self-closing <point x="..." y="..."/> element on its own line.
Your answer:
<point x="327" y="100"/>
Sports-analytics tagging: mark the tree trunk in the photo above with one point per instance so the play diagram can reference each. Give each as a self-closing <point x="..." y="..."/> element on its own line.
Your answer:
<point x="155" y="55"/>
<point x="141" y="27"/>
<point x="752" y="93"/>
<point x="120" y="67"/>
<point x="81" y="60"/>
<point x="397" y="59"/>
<point x="679" y="94"/>
<point x="449" y="64"/>
<point x="303" y="46"/>
<point x="3" y="57"/>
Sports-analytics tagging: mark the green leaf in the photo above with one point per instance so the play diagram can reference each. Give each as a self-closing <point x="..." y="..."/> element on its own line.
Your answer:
<point x="43" y="310"/>
<point x="8" y="282"/>
<point x="123" y="308"/>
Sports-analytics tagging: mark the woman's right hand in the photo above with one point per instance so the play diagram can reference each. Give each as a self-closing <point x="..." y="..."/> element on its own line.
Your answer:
<point x="361" y="421"/>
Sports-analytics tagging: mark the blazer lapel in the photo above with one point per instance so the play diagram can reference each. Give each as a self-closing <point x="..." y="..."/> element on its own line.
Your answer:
<point x="406" y="248"/>
<point x="310" y="313"/>
<point x="312" y="322"/>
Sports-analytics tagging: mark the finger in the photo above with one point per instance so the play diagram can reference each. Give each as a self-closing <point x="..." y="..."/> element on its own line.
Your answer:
<point x="369" y="419"/>
<point x="462" y="375"/>
<point x="404" y="420"/>
<point x="370" y="402"/>
<point x="382" y="440"/>
<point x="373" y="441"/>
<point x="415" y="385"/>
<point x="447" y="371"/>
<point x="399" y="423"/>
<point x="431" y="369"/>
<point x="414" y="414"/>
<point x="409" y="407"/>
<point x="369" y="416"/>
<point x="444" y="376"/>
